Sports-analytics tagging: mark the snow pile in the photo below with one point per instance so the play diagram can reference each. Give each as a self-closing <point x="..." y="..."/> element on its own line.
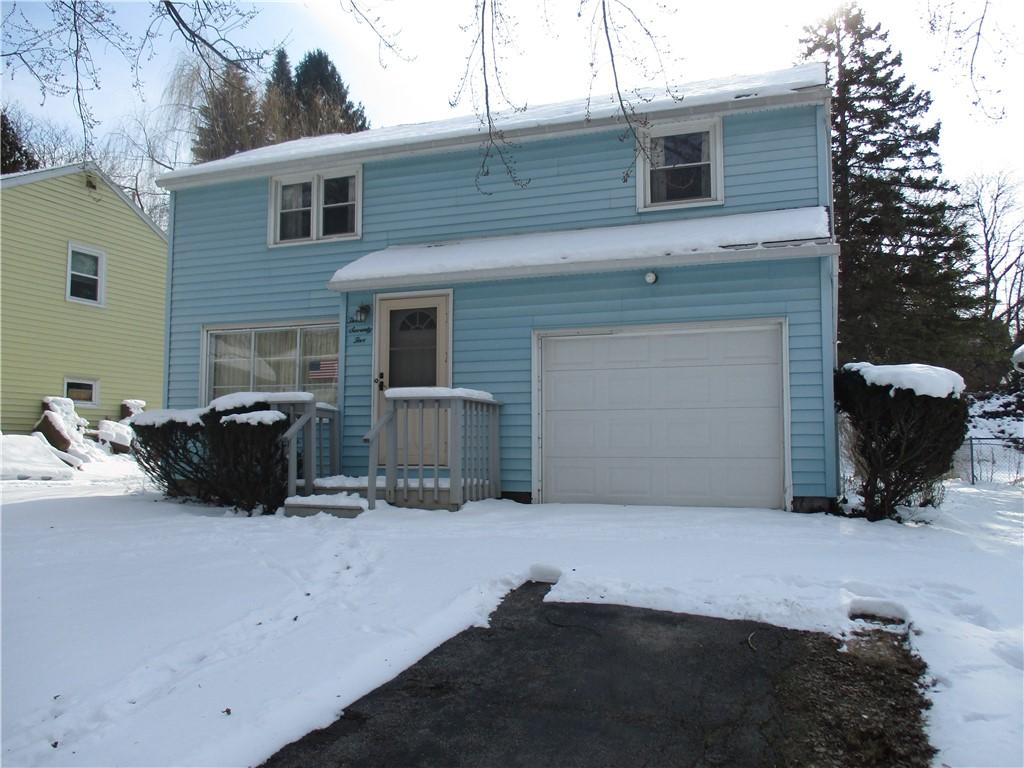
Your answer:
<point x="30" y="457"/>
<point x="928" y="380"/>
<point x="439" y="392"/>
<point x="1018" y="358"/>
<point x="134" y="406"/>
<point x="167" y="636"/>
<point x="115" y="433"/>
<point x="543" y="253"/>
<point x="60" y="414"/>
<point x="157" y="418"/>
<point x="64" y="407"/>
<point x="581" y="113"/>
<point x="254" y="418"/>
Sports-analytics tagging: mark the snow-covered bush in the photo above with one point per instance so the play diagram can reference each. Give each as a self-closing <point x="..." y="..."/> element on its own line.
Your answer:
<point x="228" y="456"/>
<point x="173" y="452"/>
<point x="907" y="422"/>
<point x="250" y="458"/>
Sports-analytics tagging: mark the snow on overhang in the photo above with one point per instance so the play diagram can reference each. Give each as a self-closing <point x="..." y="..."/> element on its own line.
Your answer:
<point x="773" y="234"/>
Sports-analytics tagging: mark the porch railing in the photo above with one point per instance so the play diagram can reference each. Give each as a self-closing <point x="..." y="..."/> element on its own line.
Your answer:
<point x="317" y="423"/>
<point x="436" y="431"/>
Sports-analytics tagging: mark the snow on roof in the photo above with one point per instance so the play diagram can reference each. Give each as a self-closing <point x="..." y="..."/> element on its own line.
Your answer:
<point x="928" y="380"/>
<point x="566" y="115"/>
<point x="663" y="243"/>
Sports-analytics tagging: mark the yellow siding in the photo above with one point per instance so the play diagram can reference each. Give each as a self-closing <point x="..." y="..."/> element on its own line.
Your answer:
<point x="45" y="338"/>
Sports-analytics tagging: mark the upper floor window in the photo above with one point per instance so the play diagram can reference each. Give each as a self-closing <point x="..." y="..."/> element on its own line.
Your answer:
<point x="86" y="274"/>
<point x="681" y="165"/>
<point x="316" y="206"/>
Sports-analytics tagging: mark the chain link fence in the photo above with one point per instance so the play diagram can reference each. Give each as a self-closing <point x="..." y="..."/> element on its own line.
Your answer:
<point x="990" y="460"/>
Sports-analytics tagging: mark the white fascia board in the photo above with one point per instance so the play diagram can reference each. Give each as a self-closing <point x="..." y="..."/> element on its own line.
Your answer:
<point x="196" y="177"/>
<point x="812" y="249"/>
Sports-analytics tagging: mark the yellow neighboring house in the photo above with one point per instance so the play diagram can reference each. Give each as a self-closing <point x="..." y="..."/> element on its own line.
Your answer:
<point x="82" y="296"/>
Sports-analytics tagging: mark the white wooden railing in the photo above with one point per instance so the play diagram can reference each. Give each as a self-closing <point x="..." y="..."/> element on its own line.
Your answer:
<point x="430" y="431"/>
<point x="310" y="419"/>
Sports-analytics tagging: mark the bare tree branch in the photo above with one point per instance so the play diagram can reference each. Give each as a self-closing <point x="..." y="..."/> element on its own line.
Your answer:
<point x="974" y="43"/>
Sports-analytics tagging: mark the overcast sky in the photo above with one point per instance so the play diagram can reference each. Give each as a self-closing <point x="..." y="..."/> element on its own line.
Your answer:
<point x="550" y="59"/>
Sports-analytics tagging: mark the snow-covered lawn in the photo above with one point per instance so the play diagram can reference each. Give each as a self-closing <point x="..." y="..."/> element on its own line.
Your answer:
<point x="138" y="631"/>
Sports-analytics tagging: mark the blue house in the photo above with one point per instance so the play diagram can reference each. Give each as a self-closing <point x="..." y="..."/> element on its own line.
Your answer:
<point x="657" y="321"/>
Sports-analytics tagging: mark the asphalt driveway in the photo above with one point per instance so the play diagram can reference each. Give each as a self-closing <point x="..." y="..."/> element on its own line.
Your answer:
<point x="564" y="684"/>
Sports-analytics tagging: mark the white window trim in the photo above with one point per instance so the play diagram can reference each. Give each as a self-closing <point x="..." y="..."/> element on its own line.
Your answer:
<point x="643" y="166"/>
<point x="95" y="383"/>
<point x="206" y="383"/>
<point x="101" y="255"/>
<point x="316" y="180"/>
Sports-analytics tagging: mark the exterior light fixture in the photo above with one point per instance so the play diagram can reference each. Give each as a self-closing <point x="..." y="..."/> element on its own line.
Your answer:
<point x="362" y="313"/>
<point x="651" y="278"/>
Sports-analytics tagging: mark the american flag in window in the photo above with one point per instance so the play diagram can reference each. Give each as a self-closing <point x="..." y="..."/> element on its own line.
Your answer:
<point x="322" y="370"/>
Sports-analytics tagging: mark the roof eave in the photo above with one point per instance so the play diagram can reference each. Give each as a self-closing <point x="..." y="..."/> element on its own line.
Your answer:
<point x="813" y="248"/>
<point x="817" y="94"/>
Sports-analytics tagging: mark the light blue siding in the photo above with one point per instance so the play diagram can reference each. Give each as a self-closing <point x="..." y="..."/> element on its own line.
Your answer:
<point x="223" y="271"/>
<point x="493" y="325"/>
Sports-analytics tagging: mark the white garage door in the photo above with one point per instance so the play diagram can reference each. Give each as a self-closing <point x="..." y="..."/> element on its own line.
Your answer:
<point x="688" y="417"/>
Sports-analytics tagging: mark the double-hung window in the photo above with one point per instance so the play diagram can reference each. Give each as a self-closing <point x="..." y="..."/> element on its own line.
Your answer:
<point x="274" y="359"/>
<point x="681" y="165"/>
<point x="85" y="280"/>
<point x="316" y="206"/>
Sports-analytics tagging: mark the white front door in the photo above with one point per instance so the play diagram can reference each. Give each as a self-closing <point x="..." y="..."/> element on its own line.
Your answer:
<point x="412" y="351"/>
<point x="682" y="417"/>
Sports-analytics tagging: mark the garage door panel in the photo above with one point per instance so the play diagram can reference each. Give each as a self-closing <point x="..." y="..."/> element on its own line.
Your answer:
<point x="686" y="349"/>
<point x="750" y="347"/>
<point x="681" y="434"/>
<point x="661" y="387"/>
<point x="664" y="482"/>
<point x="671" y="417"/>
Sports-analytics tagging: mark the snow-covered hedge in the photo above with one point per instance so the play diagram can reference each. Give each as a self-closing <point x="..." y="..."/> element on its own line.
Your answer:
<point x="229" y="453"/>
<point x="907" y="422"/>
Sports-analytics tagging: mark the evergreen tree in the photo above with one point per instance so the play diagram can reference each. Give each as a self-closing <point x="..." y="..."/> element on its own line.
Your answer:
<point x="323" y="98"/>
<point x="14" y="154"/>
<point x="229" y="117"/>
<point x="906" y="288"/>
<point x="280" y="108"/>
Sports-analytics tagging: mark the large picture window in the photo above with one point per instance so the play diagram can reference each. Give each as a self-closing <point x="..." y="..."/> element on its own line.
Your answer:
<point x="681" y="165"/>
<point x="279" y="359"/>
<point x="316" y="206"/>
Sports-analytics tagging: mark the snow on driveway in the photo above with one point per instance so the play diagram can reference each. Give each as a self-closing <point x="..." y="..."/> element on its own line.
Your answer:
<point x="138" y="631"/>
